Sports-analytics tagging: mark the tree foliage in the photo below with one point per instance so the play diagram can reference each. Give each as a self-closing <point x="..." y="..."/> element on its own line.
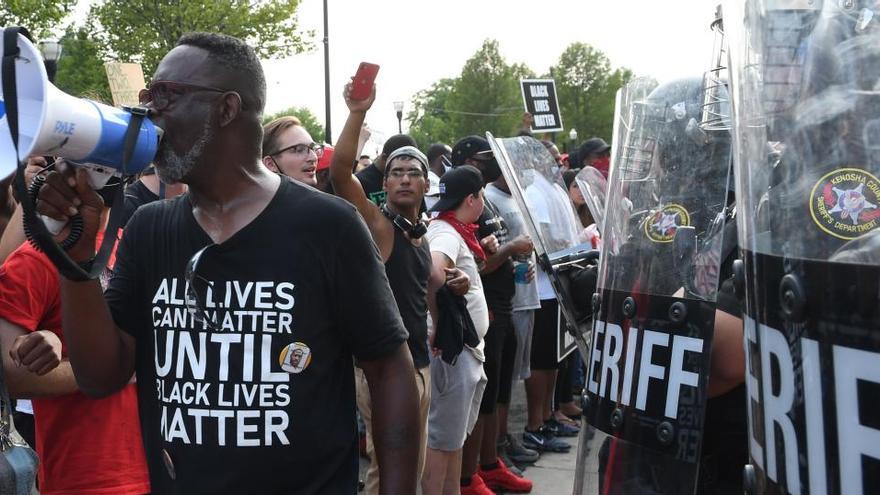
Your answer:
<point x="586" y="86"/>
<point x="429" y="121"/>
<point x="81" y="70"/>
<point x="145" y="30"/>
<point x="38" y="16"/>
<point x="486" y="96"/>
<point x="308" y="119"/>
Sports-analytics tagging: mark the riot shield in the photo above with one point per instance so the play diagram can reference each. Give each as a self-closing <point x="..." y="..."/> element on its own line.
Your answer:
<point x="536" y="184"/>
<point x="647" y="371"/>
<point x="593" y="187"/>
<point x="806" y="108"/>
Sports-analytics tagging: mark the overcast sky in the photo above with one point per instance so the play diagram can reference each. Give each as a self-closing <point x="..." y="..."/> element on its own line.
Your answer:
<point x="417" y="42"/>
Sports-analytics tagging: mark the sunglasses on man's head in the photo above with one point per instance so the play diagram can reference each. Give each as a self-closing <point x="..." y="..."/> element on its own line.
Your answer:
<point x="162" y="93"/>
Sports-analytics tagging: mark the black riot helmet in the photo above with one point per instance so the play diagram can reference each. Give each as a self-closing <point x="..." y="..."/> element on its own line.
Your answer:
<point x="668" y="153"/>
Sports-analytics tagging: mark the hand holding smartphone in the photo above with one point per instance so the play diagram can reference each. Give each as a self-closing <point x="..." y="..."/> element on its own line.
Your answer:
<point x="362" y="85"/>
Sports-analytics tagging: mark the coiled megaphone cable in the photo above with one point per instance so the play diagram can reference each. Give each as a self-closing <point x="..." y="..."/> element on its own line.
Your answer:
<point x="75" y="223"/>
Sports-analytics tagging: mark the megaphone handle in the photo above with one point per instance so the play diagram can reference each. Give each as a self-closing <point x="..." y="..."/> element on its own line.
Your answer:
<point x="52" y="225"/>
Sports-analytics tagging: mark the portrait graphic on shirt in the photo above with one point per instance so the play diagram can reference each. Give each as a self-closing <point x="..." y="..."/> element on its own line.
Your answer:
<point x="295" y="357"/>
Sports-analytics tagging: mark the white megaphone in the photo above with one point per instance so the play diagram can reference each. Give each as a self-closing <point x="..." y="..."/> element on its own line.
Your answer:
<point x="53" y="123"/>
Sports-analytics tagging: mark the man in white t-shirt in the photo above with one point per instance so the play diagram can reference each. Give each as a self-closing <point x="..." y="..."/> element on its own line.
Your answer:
<point x="456" y="390"/>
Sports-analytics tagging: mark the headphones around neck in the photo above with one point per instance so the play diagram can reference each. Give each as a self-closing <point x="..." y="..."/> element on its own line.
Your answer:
<point x="415" y="231"/>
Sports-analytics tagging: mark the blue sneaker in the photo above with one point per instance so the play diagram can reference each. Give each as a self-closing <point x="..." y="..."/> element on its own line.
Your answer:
<point x="560" y="429"/>
<point x="544" y="441"/>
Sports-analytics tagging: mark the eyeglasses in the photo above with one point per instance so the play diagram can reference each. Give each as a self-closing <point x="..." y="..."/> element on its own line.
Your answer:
<point x="302" y="150"/>
<point x="412" y="173"/>
<point x="194" y="304"/>
<point x="162" y="93"/>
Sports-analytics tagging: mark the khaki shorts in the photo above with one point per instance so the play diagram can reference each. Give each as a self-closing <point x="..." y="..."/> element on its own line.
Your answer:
<point x="365" y="406"/>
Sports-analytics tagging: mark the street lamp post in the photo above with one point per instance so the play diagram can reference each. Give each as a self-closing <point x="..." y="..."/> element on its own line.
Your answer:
<point x="572" y="140"/>
<point x="51" y="50"/>
<point x="328" y="138"/>
<point x="398" y="107"/>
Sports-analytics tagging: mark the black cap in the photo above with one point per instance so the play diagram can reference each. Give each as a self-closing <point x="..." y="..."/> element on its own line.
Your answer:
<point x="593" y="145"/>
<point x="468" y="147"/>
<point x="456" y="185"/>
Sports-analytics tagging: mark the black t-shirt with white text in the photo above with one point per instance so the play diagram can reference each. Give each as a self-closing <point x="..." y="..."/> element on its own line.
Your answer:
<point x="266" y="402"/>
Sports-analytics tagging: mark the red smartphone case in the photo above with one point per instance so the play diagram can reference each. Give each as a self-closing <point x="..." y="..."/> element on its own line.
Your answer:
<point x="363" y="81"/>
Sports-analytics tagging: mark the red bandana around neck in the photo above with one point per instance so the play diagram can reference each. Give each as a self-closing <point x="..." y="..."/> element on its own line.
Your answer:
<point x="468" y="232"/>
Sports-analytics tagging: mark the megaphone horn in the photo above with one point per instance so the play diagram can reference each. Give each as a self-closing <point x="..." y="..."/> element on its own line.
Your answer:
<point x="53" y="123"/>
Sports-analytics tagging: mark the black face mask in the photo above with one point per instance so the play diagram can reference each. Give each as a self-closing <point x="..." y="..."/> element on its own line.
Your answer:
<point x="491" y="170"/>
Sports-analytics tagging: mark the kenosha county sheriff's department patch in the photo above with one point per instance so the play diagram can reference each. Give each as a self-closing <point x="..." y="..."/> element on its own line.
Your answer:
<point x="844" y="203"/>
<point x="661" y="226"/>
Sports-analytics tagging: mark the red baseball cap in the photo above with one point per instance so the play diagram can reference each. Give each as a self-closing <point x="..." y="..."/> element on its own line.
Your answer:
<point x="324" y="161"/>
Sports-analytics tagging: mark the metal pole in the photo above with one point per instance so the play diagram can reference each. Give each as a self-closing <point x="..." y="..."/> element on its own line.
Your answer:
<point x="327" y="134"/>
<point x="400" y="122"/>
<point x="51" y="69"/>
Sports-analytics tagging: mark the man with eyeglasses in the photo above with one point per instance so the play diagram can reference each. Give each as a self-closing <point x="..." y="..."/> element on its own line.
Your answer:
<point x="288" y="149"/>
<point x="398" y="232"/>
<point x="289" y="268"/>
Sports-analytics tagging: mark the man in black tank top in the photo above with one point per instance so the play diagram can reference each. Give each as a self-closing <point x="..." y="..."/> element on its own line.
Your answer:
<point x="397" y="231"/>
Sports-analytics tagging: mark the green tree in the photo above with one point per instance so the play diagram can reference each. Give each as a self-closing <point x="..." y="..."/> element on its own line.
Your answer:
<point x="586" y="86"/>
<point x="145" y="30"/>
<point x="428" y="119"/>
<point x="308" y="119"/>
<point x="40" y="17"/>
<point x="486" y="97"/>
<point x="81" y="70"/>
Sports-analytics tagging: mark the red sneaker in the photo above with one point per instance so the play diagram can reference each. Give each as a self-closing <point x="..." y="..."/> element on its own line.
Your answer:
<point x="503" y="480"/>
<point x="477" y="487"/>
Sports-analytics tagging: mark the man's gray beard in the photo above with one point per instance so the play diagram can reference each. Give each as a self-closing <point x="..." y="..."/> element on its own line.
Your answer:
<point x="172" y="168"/>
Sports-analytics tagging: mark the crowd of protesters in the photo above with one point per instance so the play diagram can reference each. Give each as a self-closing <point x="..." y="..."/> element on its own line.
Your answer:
<point x="265" y="287"/>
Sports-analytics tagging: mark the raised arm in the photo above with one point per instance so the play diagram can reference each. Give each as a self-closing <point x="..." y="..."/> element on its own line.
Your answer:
<point x="345" y="184"/>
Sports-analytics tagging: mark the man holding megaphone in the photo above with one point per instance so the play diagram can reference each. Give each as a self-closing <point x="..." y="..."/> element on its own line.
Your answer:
<point x="212" y="290"/>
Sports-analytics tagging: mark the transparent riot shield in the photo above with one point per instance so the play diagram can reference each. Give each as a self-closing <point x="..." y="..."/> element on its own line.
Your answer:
<point x="805" y="88"/>
<point x="594" y="188"/>
<point x="536" y="184"/>
<point x="647" y="369"/>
